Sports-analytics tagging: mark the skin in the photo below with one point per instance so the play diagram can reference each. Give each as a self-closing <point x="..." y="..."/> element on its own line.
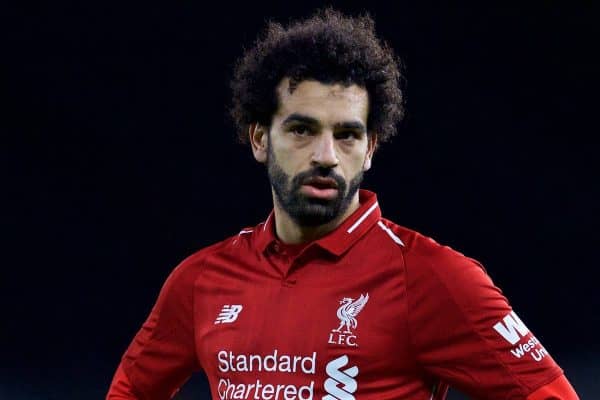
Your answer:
<point x="321" y="127"/>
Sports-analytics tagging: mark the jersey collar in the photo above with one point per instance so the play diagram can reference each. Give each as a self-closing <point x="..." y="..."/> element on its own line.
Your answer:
<point x="341" y="238"/>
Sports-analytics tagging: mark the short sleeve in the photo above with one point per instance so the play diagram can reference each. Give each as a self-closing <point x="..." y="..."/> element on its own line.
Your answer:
<point x="465" y="332"/>
<point x="162" y="356"/>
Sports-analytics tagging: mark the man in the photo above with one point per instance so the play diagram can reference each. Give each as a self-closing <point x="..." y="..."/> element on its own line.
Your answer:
<point x="326" y="299"/>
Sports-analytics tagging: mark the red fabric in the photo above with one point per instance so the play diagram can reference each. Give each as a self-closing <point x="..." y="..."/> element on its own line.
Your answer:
<point x="558" y="389"/>
<point x="120" y="387"/>
<point x="265" y="322"/>
<point x="162" y="355"/>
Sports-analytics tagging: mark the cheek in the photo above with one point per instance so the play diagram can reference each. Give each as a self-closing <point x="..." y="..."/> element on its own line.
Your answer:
<point x="356" y="162"/>
<point x="287" y="159"/>
<point x="295" y="159"/>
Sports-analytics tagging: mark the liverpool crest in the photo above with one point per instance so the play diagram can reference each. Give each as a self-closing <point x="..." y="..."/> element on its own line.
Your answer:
<point x="347" y="313"/>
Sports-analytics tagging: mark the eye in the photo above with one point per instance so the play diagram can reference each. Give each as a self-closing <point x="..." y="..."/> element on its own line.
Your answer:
<point x="347" y="135"/>
<point x="301" y="130"/>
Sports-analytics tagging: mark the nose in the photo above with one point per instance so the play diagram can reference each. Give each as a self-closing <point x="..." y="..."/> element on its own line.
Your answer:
<point x="324" y="153"/>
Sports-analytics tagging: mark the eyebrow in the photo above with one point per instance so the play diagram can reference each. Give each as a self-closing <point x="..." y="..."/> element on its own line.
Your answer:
<point x="295" y="117"/>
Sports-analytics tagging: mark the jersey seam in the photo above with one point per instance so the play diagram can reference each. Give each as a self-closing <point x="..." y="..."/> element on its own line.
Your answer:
<point x="197" y="361"/>
<point x="201" y="262"/>
<point x="411" y="343"/>
<point x="439" y="382"/>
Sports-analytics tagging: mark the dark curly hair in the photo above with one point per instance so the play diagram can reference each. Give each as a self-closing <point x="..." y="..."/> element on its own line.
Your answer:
<point x="328" y="47"/>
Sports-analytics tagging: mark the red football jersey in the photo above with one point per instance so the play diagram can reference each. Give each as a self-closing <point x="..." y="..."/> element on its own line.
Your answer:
<point x="371" y="311"/>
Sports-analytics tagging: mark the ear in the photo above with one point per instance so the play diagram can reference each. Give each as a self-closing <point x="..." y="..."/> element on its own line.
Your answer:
<point x="259" y="139"/>
<point x="371" y="147"/>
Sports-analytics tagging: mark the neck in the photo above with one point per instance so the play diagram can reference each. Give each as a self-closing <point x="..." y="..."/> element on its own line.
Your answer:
<point x="288" y="231"/>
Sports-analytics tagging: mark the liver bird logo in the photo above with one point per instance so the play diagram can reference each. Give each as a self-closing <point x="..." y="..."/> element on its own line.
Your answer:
<point x="348" y="311"/>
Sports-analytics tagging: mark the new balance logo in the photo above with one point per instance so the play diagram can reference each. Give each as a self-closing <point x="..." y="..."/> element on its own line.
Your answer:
<point x="513" y="329"/>
<point x="229" y="313"/>
<point x="341" y="384"/>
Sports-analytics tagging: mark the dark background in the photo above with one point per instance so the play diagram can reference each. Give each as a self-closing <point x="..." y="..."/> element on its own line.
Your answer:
<point x="117" y="161"/>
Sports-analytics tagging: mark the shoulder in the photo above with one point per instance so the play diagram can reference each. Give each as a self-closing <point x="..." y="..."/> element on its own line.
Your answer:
<point x="440" y="268"/>
<point x="419" y="246"/>
<point x="424" y="253"/>
<point x="194" y="264"/>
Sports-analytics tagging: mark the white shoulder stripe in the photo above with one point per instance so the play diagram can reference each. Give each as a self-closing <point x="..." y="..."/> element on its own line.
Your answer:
<point x="243" y="231"/>
<point x="390" y="233"/>
<point x="266" y="222"/>
<point x="362" y="218"/>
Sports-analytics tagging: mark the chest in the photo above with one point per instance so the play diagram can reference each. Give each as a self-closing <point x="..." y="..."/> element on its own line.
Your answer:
<point x="253" y="326"/>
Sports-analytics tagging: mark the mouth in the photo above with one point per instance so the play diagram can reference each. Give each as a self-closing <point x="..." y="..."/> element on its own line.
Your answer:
<point x="320" y="187"/>
<point x="321" y="182"/>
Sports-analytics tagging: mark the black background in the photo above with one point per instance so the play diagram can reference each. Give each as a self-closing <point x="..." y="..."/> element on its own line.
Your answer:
<point x="118" y="161"/>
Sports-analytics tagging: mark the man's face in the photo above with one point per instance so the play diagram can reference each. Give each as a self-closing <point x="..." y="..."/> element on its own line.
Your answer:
<point x="317" y="149"/>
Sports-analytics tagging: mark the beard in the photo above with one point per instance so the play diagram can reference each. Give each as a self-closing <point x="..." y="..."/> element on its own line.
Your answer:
<point x="307" y="211"/>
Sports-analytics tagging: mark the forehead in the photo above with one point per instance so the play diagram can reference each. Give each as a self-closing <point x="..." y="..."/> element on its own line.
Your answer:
<point x="325" y="102"/>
